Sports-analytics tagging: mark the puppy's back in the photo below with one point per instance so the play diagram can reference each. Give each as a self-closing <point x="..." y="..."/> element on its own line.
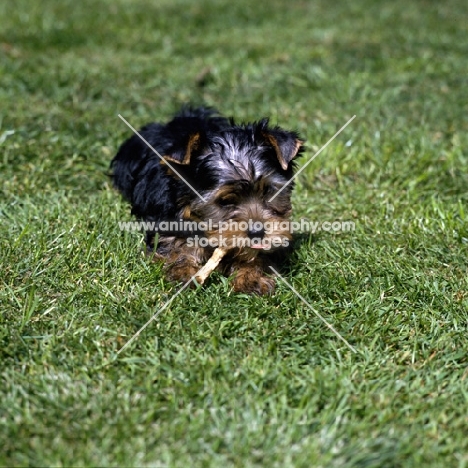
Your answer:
<point x="136" y="169"/>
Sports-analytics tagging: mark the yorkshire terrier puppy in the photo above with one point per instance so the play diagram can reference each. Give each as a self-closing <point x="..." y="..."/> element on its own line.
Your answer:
<point x="201" y="181"/>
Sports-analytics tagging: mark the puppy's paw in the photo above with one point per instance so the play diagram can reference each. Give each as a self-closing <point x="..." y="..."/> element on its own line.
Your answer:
<point x="252" y="282"/>
<point x="181" y="272"/>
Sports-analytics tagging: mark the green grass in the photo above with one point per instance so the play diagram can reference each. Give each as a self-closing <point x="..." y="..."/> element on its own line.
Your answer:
<point x="223" y="379"/>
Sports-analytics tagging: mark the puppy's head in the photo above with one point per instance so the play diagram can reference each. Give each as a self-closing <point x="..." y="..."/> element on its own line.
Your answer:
<point x="240" y="179"/>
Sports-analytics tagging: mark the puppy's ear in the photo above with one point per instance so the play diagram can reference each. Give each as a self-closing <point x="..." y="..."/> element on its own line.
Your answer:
<point x="183" y="154"/>
<point x="287" y="145"/>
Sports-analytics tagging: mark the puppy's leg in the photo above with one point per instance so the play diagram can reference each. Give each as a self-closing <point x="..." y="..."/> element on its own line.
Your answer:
<point x="182" y="262"/>
<point x="252" y="277"/>
<point x="149" y="240"/>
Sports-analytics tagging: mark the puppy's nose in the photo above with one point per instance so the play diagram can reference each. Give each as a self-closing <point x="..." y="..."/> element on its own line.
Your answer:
<point x="256" y="233"/>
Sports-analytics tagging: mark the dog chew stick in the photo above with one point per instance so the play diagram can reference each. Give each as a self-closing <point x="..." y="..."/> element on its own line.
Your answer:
<point x="210" y="265"/>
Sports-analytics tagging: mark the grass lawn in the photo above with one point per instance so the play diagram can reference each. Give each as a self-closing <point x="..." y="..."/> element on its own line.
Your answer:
<point x="222" y="379"/>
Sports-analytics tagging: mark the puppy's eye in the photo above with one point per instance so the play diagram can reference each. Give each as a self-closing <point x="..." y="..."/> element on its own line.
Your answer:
<point x="228" y="201"/>
<point x="278" y="211"/>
